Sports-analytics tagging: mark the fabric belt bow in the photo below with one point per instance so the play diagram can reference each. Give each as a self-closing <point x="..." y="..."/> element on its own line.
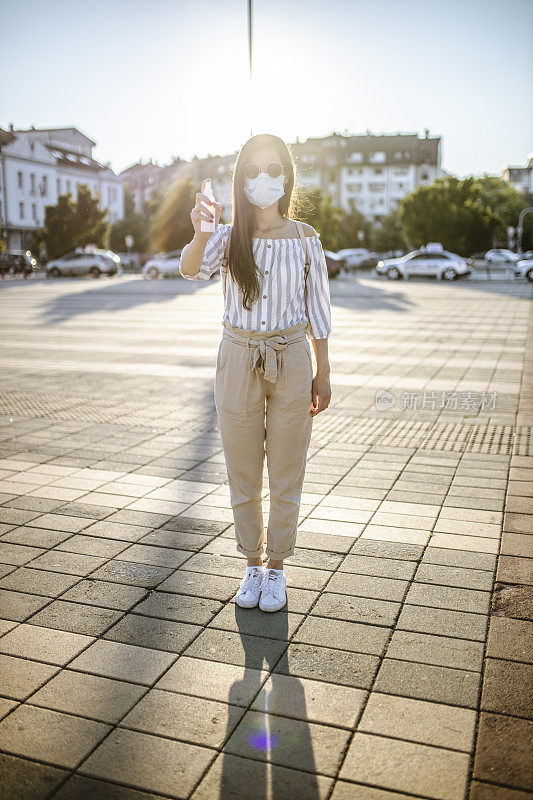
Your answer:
<point x="264" y="356"/>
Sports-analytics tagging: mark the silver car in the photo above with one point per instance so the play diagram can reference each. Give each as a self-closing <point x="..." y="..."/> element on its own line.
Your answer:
<point x="73" y="264"/>
<point x="439" y="264"/>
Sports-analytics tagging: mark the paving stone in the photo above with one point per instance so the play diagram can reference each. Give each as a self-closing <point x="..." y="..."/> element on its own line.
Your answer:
<point x="88" y="696"/>
<point x="510" y="600"/>
<point x="19" y="677"/>
<point x="234" y="648"/>
<point x="179" y="607"/>
<point x="334" y="666"/>
<point x="23" y="779"/>
<point x="214" y="680"/>
<point x="49" y="736"/>
<point x="429" y="682"/>
<point x="402" y="570"/>
<point x="510" y="638"/>
<point x="40" y="644"/>
<point x="18" y="606"/>
<point x="159" y="634"/>
<point x="442" y="651"/>
<point x="443" y="622"/>
<point x="503" y="751"/>
<point x="143" y="761"/>
<point x="507" y="688"/>
<point x="123" y="661"/>
<point x="115" y="530"/>
<point x="59" y="522"/>
<point x="455" y="576"/>
<point x="356" y="609"/>
<point x="420" y="721"/>
<point x="6" y="706"/>
<point x="108" y="595"/>
<point x="180" y="540"/>
<point x="316" y="701"/>
<point x="225" y="779"/>
<point x="158" y="556"/>
<point x="459" y="558"/>
<point x="35" y="537"/>
<point x="512" y="569"/>
<point x="378" y="549"/>
<point x="288" y="742"/>
<point x="75" y="617"/>
<point x="368" y="586"/>
<point x="200" y="584"/>
<point x="180" y="716"/>
<point x="343" y="635"/>
<point x="38" y="581"/>
<point x="253" y="621"/>
<point x="146" y="575"/>
<point x="450" y="597"/>
<point x="70" y="563"/>
<point x="92" y="546"/>
<point x="406" y="766"/>
<point x="17" y="554"/>
<point x="488" y="791"/>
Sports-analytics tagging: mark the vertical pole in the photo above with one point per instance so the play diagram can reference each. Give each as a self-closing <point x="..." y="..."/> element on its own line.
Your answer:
<point x="250" y="53"/>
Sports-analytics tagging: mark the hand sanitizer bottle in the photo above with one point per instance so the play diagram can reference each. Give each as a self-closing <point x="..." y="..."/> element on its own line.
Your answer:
<point x="207" y="225"/>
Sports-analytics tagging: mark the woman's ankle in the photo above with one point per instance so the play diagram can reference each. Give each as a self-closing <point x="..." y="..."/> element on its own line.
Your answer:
<point x="255" y="562"/>
<point x="274" y="564"/>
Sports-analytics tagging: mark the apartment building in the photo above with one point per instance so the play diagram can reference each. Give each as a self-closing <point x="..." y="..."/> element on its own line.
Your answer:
<point x="39" y="165"/>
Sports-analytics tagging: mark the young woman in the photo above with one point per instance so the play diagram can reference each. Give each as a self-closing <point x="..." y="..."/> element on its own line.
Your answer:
<point x="265" y="393"/>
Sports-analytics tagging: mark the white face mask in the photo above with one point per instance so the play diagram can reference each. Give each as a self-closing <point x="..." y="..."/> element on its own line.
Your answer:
<point x="264" y="191"/>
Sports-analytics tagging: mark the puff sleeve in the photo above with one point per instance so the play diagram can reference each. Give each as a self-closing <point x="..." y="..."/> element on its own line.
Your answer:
<point x="213" y="253"/>
<point x="317" y="292"/>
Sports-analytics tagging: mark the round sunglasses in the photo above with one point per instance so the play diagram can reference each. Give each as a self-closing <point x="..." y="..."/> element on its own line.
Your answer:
<point x="274" y="169"/>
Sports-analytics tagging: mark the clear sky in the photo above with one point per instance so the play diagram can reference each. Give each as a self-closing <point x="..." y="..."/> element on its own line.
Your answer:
<point x="156" y="78"/>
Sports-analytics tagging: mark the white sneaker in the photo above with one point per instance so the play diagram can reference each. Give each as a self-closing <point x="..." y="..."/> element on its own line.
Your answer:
<point x="273" y="590"/>
<point x="250" y="587"/>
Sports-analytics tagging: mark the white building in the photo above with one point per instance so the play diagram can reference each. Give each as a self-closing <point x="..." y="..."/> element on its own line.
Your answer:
<point x="374" y="170"/>
<point x="520" y="177"/>
<point x="39" y="165"/>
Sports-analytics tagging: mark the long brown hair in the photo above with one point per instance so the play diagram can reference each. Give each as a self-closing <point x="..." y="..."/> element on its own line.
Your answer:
<point x="242" y="264"/>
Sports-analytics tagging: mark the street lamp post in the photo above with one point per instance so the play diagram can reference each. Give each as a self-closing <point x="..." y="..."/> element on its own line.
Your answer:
<point x="250" y="53"/>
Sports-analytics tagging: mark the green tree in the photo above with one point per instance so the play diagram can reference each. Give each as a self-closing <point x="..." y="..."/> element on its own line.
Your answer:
<point x="317" y="209"/>
<point x="69" y="224"/>
<point x="387" y="234"/>
<point x="351" y="223"/>
<point x="136" y="224"/>
<point x="171" y="227"/>
<point x="466" y="216"/>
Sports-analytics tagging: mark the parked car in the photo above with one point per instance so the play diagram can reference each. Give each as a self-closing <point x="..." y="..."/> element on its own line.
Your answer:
<point x="439" y="264"/>
<point x="16" y="261"/>
<point x="501" y="256"/>
<point x="334" y="263"/>
<point x="163" y="265"/>
<point x="524" y="268"/>
<point x="81" y="263"/>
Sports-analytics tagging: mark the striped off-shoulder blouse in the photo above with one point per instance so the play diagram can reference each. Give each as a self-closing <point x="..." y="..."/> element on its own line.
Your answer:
<point x="283" y="295"/>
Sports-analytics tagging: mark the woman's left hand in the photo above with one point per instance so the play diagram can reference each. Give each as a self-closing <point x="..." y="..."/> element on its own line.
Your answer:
<point x="320" y="395"/>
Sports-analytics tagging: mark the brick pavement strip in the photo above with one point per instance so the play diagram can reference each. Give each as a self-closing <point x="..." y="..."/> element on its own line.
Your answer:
<point x="401" y="667"/>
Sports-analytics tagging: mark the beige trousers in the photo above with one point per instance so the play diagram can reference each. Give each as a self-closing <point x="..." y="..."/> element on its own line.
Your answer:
<point x="262" y="394"/>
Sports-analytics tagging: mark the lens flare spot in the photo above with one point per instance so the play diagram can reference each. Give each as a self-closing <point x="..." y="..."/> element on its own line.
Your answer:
<point x="262" y="740"/>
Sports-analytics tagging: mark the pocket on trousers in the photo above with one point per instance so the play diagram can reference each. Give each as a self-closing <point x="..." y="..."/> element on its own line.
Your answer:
<point x="232" y="378"/>
<point x="297" y="377"/>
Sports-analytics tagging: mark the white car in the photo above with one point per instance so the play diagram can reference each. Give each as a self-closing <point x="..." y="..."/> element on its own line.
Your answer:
<point x="354" y="256"/>
<point x="440" y="264"/>
<point x="81" y="263"/>
<point x="162" y="265"/>
<point x="524" y="269"/>
<point x="501" y="256"/>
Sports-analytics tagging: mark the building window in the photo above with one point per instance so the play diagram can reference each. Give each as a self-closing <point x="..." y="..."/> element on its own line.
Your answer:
<point x="355" y="157"/>
<point x="377" y="157"/>
<point x="21" y="210"/>
<point x="45" y="185"/>
<point x="32" y="183"/>
<point x="34" y="212"/>
<point x="332" y="176"/>
<point x="19" y="179"/>
<point x="58" y="186"/>
<point x="425" y="176"/>
<point x="68" y="187"/>
<point x="377" y="170"/>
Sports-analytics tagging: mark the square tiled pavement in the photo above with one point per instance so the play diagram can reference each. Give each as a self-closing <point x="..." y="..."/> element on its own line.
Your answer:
<point x="401" y="666"/>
